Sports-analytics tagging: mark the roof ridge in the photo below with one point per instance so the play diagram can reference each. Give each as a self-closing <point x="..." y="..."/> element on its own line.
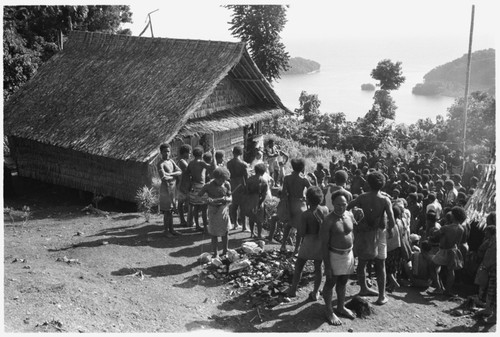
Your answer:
<point x="95" y="38"/>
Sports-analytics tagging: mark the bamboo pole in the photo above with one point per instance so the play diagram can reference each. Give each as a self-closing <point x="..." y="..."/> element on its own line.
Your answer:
<point x="466" y="98"/>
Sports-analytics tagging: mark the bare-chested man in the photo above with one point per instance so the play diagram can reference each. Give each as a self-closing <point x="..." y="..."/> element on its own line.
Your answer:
<point x="239" y="176"/>
<point x="370" y="234"/>
<point x="336" y="245"/>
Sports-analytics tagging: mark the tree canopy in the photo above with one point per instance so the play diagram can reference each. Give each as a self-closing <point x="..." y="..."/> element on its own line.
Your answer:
<point x="259" y="26"/>
<point x="389" y="74"/>
<point x="32" y="34"/>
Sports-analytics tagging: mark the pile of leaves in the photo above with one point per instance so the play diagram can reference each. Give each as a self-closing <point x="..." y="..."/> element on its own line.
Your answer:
<point x="267" y="277"/>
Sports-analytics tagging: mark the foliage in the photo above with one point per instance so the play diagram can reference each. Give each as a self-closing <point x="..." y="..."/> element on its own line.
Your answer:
<point x="389" y="75"/>
<point x="375" y="131"/>
<point x="385" y="104"/>
<point x="24" y="214"/>
<point x="311" y="154"/>
<point x="259" y="26"/>
<point x="32" y="34"/>
<point x="146" y="198"/>
<point x="480" y="120"/>
<point x="309" y="126"/>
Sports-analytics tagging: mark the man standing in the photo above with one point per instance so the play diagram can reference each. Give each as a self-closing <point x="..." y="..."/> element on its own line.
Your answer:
<point x="239" y="176"/>
<point x="272" y="156"/>
<point x="370" y="234"/>
<point x="336" y="245"/>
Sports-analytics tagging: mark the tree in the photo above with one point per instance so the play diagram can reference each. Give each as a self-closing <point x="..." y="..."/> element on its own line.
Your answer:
<point x="259" y="26"/>
<point x="32" y="34"/>
<point x="309" y="106"/>
<point x="385" y="104"/>
<point x="480" y="120"/>
<point x="389" y="74"/>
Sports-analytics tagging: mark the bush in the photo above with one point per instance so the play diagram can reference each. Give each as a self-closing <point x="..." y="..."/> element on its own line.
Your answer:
<point x="146" y="198"/>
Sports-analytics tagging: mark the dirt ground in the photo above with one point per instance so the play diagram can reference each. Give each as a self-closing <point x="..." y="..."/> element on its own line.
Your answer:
<point x="70" y="271"/>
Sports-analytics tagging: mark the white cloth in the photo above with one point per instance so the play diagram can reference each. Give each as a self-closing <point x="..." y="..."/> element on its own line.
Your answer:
<point x="342" y="264"/>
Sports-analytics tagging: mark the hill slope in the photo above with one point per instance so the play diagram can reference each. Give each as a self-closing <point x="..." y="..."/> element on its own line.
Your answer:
<point x="299" y="65"/>
<point x="449" y="79"/>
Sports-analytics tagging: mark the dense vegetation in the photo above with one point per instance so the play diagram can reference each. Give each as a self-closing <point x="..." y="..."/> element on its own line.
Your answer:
<point x="299" y="66"/>
<point x="449" y="79"/>
<point x="378" y="131"/>
<point x="32" y="34"/>
<point x="260" y="27"/>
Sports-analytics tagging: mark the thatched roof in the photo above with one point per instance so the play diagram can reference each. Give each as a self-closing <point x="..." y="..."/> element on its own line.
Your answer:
<point x="121" y="96"/>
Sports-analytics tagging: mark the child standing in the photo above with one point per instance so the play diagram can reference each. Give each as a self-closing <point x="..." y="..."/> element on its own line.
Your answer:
<point x="310" y="248"/>
<point x="256" y="193"/>
<point x="219" y="198"/>
<point x="183" y="186"/>
<point x="197" y="170"/>
<point x="168" y="171"/>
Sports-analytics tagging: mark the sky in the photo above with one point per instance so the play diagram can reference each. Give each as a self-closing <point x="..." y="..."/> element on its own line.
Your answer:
<point x="317" y="19"/>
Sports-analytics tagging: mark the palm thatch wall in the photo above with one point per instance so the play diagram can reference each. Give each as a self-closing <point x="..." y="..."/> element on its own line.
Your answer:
<point x="96" y="174"/>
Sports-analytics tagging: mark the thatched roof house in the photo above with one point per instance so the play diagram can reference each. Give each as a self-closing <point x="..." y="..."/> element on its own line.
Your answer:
<point x="94" y="115"/>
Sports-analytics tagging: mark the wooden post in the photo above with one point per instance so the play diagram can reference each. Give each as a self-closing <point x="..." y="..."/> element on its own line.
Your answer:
<point x="466" y="99"/>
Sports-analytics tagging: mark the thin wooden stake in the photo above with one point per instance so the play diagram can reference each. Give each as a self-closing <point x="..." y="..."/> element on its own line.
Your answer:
<point x="467" y="87"/>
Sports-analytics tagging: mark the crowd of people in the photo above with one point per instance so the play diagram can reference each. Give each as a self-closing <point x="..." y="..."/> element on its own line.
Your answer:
<point x="403" y="220"/>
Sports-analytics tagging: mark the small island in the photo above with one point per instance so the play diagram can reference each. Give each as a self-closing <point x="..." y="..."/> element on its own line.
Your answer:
<point x="449" y="79"/>
<point x="367" y="87"/>
<point x="302" y="66"/>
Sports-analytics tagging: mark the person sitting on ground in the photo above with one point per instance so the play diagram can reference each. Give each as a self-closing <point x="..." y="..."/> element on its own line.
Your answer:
<point x="370" y="234"/>
<point x="219" y="198"/>
<point x="310" y="249"/>
<point x="449" y="254"/>
<point x="337" y="240"/>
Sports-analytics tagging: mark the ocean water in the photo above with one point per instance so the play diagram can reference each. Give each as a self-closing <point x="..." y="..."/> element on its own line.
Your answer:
<point x="347" y="63"/>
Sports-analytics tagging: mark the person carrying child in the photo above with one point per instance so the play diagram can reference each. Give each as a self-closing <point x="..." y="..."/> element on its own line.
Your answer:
<point x="449" y="254"/>
<point x="219" y="198"/>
